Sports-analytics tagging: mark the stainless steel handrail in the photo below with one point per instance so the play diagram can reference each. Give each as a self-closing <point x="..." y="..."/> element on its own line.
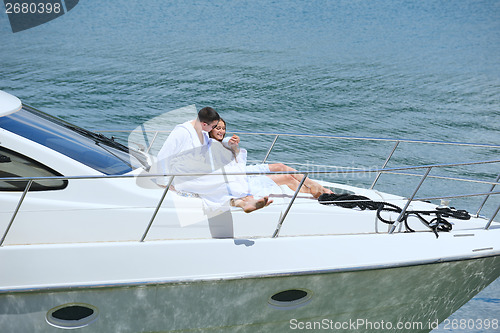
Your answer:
<point x="283" y="216"/>
<point x="383" y="169"/>
<point x="467" y="180"/>
<point x="492" y="217"/>
<point x="298" y="135"/>
<point x="301" y="135"/>
<point x="19" y="203"/>
<point x="385" y="164"/>
<point x="469" y="195"/>
<point x="157" y="209"/>
<point x="487" y="197"/>
<point x="196" y="174"/>
<point x="152" y="142"/>
<point x="270" y="148"/>
<point x="282" y="219"/>
<point x="401" y="215"/>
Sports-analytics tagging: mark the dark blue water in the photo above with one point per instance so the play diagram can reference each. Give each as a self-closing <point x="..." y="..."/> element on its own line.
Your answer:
<point x="425" y="70"/>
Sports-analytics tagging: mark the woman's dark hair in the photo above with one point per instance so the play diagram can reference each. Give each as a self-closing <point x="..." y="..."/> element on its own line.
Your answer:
<point x="208" y="115"/>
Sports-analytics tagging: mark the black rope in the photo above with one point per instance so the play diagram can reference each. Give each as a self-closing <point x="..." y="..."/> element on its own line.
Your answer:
<point x="436" y="224"/>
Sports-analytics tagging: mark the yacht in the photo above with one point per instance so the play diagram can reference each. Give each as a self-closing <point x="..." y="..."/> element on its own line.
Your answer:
<point x="89" y="241"/>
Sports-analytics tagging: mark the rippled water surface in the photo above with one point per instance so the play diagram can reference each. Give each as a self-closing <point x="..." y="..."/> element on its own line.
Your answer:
<point x="423" y="70"/>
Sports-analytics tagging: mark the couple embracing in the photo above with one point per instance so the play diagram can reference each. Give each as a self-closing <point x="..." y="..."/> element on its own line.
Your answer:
<point x="199" y="147"/>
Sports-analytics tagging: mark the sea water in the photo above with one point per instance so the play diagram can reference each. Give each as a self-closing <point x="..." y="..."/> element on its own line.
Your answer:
<point x="423" y="70"/>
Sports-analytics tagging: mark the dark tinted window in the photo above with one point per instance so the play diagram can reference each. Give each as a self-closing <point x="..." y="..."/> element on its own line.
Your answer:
<point x="91" y="149"/>
<point x="16" y="165"/>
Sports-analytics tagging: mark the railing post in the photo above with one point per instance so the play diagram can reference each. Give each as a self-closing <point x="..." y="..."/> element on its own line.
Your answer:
<point x="282" y="219"/>
<point x="486" y="198"/>
<point x="385" y="164"/>
<point x="400" y="217"/>
<point x="491" y="220"/>
<point x="152" y="141"/>
<point x="26" y="189"/>
<point x="157" y="209"/>
<point x="270" y="148"/>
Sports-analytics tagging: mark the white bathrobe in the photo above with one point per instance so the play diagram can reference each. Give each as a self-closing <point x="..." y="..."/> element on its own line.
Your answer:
<point x="183" y="152"/>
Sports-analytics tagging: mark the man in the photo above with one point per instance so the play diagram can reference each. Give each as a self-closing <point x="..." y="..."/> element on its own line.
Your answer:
<point x="189" y="149"/>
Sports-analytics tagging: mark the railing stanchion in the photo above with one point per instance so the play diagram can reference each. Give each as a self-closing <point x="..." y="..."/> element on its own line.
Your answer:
<point x="157" y="209"/>
<point x="152" y="141"/>
<point x="400" y="217"/>
<point x="492" y="217"/>
<point x="270" y="148"/>
<point x="486" y="198"/>
<point x="282" y="219"/>
<point x="26" y="189"/>
<point x="385" y="164"/>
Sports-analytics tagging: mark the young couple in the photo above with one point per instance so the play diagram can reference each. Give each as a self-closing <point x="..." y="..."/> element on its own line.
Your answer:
<point x="190" y="148"/>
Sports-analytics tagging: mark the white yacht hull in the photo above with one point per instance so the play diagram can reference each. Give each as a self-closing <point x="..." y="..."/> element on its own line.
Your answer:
<point x="414" y="297"/>
<point x="227" y="285"/>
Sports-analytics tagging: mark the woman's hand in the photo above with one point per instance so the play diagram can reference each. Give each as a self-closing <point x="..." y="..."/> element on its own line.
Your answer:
<point x="234" y="141"/>
<point x="233" y="144"/>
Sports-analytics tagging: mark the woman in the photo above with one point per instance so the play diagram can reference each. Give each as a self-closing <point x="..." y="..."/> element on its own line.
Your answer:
<point x="290" y="180"/>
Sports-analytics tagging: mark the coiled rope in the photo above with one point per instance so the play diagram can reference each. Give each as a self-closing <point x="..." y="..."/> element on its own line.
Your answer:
<point x="436" y="224"/>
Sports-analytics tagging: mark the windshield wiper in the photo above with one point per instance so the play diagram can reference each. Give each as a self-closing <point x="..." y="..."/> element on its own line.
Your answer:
<point x="118" y="157"/>
<point x="100" y="138"/>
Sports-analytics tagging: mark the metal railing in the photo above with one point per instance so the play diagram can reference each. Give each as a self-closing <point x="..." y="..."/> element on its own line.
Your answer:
<point x="378" y="171"/>
<point x="305" y="174"/>
<point x="396" y="142"/>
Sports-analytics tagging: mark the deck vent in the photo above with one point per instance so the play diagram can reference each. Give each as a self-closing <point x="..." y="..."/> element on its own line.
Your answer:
<point x="290" y="299"/>
<point x="73" y="315"/>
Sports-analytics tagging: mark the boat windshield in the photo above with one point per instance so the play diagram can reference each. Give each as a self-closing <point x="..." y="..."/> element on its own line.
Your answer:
<point x="94" y="150"/>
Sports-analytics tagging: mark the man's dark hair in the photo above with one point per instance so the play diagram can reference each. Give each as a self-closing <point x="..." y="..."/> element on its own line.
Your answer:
<point x="208" y="115"/>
